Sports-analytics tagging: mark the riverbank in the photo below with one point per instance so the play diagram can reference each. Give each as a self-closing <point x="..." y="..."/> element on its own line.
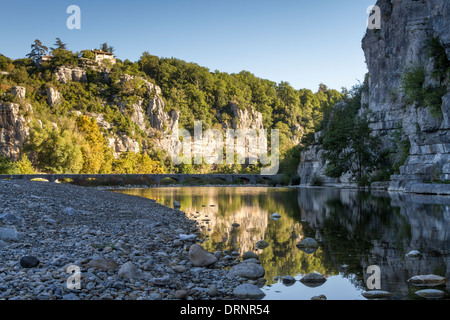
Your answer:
<point x="127" y="248"/>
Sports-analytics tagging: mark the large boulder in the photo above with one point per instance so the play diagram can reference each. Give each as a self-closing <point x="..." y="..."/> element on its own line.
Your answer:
<point x="247" y="269"/>
<point x="248" y="291"/>
<point x="200" y="257"/>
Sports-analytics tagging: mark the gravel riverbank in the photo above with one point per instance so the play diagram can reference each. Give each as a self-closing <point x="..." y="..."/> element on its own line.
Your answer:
<point x="125" y="248"/>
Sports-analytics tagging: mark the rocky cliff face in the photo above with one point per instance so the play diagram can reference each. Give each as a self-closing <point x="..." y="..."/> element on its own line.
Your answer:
<point x="13" y="129"/>
<point x="400" y="45"/>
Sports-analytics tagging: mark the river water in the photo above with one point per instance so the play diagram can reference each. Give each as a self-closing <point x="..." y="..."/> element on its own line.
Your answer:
<point x="354" y="230"/>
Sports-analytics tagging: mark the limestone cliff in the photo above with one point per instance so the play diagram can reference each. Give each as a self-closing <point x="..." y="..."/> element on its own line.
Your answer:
<point x="403" y="44"/>
<point x="13" y="129"/>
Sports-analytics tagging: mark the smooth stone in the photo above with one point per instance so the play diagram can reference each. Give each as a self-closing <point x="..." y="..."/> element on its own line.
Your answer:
<point x="288" y="280"/>
<point x="178" y="243"/>
<point x="319" y="297"/>
<point x="414" y="254"/>
<point x="165" y="281"/>
<point x="377" y="294"/>
<point x="50" y="221"/>
<point x="188" y="237"/>
<point x="251" y="260"/>
<point x="200" y="257"/>
<point x="262" y="244"/>
<point x="29" y="262"/>
<point x="155" y="296"/>
<point x="181" y="294"/>
<point x="427" y="280"/>
<point x="308" y="243"/>
<point x="3" y="244"/>
<point x="10" y="234"/>
<point x="129" y="270"/>
<point x="213" y="291"/>
<point x="313" y="279"/>
<point x="249" y="255"/>
<point x="246" y="270"/>
<point x="102" y="264"/>
<point x="70" y="296"/>
<point x="431" y="294"/>
<point x="179" y="269"/>
<point x="276" y="216"/>
<point x="70" y="211"/>
<point x="248" y="291"/>
<point x="9" y="217"/>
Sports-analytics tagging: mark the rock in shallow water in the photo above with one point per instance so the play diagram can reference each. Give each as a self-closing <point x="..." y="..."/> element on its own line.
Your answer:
<point x="247" y="270"/>
<point x="249" y="255"/>
<point x="427" y="280"/>
<point x="262" y="244"/>
<point x="414" y="254"/>
<point x="377" y="294"/>
<point x="276" y="216"/>
<point x="431" y="294"/>
<point x="288" y="280"/>
<point x="307" y="243"/>
<point x="313" y="279"/>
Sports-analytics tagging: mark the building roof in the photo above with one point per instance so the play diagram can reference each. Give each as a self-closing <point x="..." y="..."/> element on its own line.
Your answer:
<point x="102" y="52"/>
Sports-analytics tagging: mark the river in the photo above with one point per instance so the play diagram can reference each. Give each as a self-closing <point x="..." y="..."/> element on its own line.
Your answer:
<point x="354" y="229"/>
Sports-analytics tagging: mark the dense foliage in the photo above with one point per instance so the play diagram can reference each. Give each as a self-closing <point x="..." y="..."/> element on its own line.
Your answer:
<point x="349" y="146"/>
<point x="61" y="142"/>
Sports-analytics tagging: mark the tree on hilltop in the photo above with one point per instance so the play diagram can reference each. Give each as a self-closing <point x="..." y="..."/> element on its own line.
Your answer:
<point x="37" y="50"/>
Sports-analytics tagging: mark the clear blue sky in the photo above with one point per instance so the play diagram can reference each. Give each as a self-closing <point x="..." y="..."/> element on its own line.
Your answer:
<point x="302" y="42"/>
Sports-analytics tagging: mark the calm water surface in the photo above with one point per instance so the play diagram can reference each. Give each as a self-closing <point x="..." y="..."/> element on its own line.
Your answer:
<point x="354" y="230"/>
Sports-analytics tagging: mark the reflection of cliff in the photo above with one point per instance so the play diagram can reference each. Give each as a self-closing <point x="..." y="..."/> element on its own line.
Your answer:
<point x="252" y="222"/>
<point x="361" y="229"/>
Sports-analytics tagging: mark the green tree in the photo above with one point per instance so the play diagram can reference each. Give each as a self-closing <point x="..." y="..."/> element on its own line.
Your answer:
<point x="37" y="50"/>
<point x="349" y="146"/>
<point x="56" y="149"/>
<point x="105" y="48"/>
<point x="59" y="45"/>
<point x="93" y="149"/>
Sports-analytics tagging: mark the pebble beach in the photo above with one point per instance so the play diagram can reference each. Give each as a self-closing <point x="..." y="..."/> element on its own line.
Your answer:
<point x="112" y="246"/>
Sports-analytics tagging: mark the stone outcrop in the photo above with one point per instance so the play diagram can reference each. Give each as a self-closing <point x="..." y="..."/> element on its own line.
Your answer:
<point x="160" y="119"/>
<point x="65" y="74"/>
<point x="13" y="129"/>
<point x="19" y="92"/>
<point x="53" y="96"/>
<point x="402" y="43"/>
<point x="122" y="143"/>
<point x="312" y="167"/>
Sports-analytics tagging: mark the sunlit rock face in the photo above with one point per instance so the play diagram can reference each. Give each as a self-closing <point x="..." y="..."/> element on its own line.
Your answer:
<point x="402" y="43"/>
<point x="14" y="129"/>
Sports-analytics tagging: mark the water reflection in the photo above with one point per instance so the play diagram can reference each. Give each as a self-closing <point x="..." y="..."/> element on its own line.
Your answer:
<point x="354" y="230"/>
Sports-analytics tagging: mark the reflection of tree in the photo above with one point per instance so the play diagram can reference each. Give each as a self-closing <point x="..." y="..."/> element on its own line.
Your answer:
<point x="353" y="228"/>
<point x="350" y="226"/>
